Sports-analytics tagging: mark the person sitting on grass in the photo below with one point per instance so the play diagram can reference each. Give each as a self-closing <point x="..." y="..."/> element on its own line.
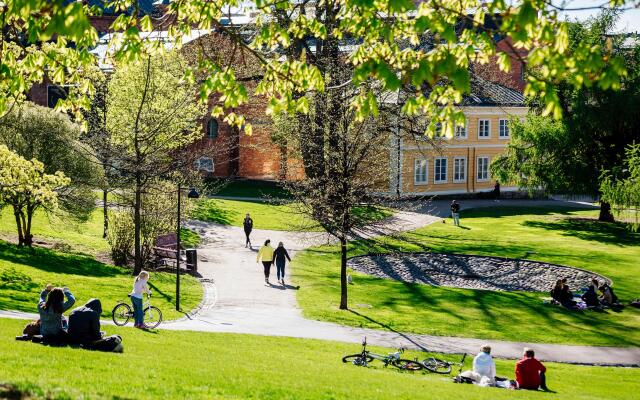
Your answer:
<point x="556" y="292"/>
<point x="51" y="319"/>
<point x="566" y="296"/>
<point x="84" y="329"/>
<point x="484" y="366"/>
<point x="590" y="297"/>
<point x="530" y="373"/>
<point x="607" y="297"/>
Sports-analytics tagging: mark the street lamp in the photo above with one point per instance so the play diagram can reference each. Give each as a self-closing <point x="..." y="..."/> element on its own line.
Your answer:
<point x="193" y="194"/>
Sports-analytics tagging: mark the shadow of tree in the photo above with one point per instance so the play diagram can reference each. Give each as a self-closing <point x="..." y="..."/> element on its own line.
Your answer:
<point x="509" y="211"/>
<point x="590" y="229"/>
<point x="209" y="210"/>
<point x="51" y="261"/>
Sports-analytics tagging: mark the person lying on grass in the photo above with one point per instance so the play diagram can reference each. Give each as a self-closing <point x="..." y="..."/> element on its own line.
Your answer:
<point x="84" y="329"/>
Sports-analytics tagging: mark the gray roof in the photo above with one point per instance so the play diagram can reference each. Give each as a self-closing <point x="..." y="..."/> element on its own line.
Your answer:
<point x="486" y="93"/>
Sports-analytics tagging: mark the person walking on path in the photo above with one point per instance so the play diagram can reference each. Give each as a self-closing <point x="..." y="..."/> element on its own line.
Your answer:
<point x="248" y="227"/>
<point x="139" y="288"/>
<point x="455" y="212"/>
<point x="280" y="256"/>
<point x="530" y="372"/>
<point x="265" y="254"/>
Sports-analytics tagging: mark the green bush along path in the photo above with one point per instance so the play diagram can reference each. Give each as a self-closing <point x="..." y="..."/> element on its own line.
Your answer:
<point x="265" y="215"/>
<point x="567" y="237"/>
<point x="24" y="272"/>
<point x="196" y="365"/>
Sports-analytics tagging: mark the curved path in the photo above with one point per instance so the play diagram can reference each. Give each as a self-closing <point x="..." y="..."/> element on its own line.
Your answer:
<point x="242" y="303"/>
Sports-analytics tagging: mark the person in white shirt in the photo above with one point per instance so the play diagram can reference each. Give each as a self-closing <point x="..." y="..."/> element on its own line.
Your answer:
<point x="139" y="288"/>
<point x="484" y="366"/>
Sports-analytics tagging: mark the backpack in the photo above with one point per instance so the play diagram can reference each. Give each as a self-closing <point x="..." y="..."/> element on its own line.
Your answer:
<point x="32" y="328"/>
<point x="111" y="344"/>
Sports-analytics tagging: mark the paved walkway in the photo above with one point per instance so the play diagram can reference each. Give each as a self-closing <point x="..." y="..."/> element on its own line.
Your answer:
<point x="243" y="303"/>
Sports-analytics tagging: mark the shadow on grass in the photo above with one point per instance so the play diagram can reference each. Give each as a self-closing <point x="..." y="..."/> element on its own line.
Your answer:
<point x="590" y="229"/>
<point x="210" y="211"/>
<point x="51" y="261"/>
<point x="509" y="211"/>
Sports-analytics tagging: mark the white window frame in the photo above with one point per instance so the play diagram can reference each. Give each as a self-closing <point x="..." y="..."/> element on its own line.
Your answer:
<point x="488" y="121"/>
<point x="462" y="129"/>
<point x="435" y="169"/>
<point x="501" y="130"/>
<point x="478" y="179"/>
<point x="199" y="167"/>
<point x="464" y="170"/>
<point x="426" y="171"/>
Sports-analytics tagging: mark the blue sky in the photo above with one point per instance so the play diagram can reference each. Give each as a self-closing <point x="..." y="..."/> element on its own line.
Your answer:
<point x="629" y="21"/>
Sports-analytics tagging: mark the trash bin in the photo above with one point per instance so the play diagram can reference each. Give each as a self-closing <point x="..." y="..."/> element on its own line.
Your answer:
<point x="192" y="260"/>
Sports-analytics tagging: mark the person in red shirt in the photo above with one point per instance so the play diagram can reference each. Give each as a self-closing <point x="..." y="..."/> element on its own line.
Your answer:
<point x="530" y="372"/>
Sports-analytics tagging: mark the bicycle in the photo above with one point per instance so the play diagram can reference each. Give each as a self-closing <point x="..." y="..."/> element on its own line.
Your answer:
<point x="123" y="312"/>
<point x="439" y="366"/>
<point x="365" y="357"/>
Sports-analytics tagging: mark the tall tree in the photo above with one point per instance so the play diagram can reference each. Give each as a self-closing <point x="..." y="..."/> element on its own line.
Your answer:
<point x="151" y="116"/>
<point x="26" y="187"/>
<point x="621" y="186"/>
<point x="36" y="132"/>
<point x="597" y="124"/>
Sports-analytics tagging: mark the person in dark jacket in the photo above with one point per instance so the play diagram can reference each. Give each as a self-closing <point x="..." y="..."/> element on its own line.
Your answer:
<point x="84" y="329"/>
<point x="556" y="292"/>
<point x="280" y="256"/>
<point x="590" y="297"/>
<point x="455" y="212"/>
<point x="84" y="323"/>
<point x="248" y="227"/>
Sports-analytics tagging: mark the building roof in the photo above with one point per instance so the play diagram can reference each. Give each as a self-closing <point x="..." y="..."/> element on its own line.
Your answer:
<point x="486" y="93"/>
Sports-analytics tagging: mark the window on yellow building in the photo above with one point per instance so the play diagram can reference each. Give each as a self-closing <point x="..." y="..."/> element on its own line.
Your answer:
<point x="461" y="131"/>
<point x="420" y="172"/>
<point x="484" y="128"/>
<point x="483" y="169"/>
<point x="504" y="128"/>
<point x="459" y="169"/>
<point x="440" y="170"/>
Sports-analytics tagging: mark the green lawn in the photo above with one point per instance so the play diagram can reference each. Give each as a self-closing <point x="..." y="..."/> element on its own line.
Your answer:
<point x="267" y="215"/>
<point x="24" y="273"/>
<point x="83" y="237"/>
<point x="608" y="249"/>
<point x="194" y="365"/>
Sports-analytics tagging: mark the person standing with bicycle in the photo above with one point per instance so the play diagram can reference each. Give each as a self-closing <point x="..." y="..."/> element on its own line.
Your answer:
<point x="140" y="287"/>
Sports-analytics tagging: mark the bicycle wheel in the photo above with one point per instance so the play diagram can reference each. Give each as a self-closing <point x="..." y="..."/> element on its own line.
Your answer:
<point x="152" y="317"/>
<point x="436" y="365"/>
<point x="357" y="359"/>
<point x="121" y="314"/>
<point x="407" y="365"/>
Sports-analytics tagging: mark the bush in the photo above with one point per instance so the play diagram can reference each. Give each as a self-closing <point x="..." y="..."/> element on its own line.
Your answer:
<point x="120" y="237"/>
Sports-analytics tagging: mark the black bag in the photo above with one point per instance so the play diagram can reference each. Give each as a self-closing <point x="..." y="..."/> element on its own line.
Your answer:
<point x="462" y="379"/>
<point x="111" y="344"/>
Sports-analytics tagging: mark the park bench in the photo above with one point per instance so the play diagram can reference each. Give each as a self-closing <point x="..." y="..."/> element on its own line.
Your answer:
<point x="165" y="253"/>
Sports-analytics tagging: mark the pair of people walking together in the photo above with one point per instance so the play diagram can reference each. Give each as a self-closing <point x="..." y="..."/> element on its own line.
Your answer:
<point x="268" y="255"/>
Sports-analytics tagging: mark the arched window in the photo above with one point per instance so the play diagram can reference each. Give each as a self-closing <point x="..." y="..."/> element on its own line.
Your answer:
<point x="212" y="128"/>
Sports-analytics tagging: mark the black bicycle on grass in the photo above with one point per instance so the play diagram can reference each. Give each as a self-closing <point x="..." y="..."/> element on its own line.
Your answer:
<point x="363" y="359"/>
<point x="439" y="366"/>
<point x="122" y="313"/>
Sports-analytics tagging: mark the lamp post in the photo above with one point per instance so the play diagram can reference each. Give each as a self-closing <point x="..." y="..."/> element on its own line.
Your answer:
<point x="193" y="194"/>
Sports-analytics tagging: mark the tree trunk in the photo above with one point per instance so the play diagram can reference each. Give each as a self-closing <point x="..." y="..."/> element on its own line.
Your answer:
<point x="16" y="213"/>
<point x="137" y="228"/>
<point x="28" y="237"/>
<point x="105" y="209"/>
<point x="343" y="274"/>
<point x="605" y="212"/>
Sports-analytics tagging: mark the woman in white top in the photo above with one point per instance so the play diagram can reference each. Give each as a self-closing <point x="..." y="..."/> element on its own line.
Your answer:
<point x="484" y="366"/>
<point x="140" y="287"/>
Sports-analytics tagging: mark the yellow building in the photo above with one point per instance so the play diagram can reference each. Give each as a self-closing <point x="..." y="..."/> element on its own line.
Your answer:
<point x="460" y="164"/>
